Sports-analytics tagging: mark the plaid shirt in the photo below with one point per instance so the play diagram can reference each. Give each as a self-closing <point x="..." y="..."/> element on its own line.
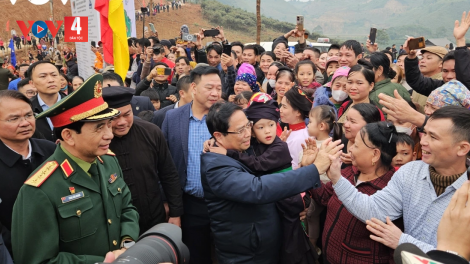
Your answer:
<point x="345" y="238"/>
<point x="411" y="195"/>
<point x="198" y="133"/>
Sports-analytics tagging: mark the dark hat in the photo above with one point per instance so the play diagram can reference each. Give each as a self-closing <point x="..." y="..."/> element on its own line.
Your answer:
<point x="262" y="106"/>
<point x="166" y="43"/>
<point x="85" y="104"/>
<point x="118" y="96"/>
<point x="278" y="41"/>
<point x="173" y="42"/>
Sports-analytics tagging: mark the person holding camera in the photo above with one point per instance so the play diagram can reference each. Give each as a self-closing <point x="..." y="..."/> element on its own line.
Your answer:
<point x="154" y="55"/>
<point x="158" y="79"/>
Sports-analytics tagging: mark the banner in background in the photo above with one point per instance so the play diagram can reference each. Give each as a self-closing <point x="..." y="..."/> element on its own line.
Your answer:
<point x="129" y="11"/>
<point x="86" y="58"/>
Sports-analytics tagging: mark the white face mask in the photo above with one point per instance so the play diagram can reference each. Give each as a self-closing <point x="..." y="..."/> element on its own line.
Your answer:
<point x="272" y="83"/>
<point x="339" y="95"/>
<point x="406" y="130"/>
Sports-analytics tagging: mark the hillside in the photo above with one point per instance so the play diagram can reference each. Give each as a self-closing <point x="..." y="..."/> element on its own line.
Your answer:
<point x="168" y="24"/>
<point x="349" y="19"/>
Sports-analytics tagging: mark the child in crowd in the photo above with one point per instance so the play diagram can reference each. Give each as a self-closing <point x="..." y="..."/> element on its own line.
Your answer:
<point x="305" y="74"/>
<point x="268" y="155"/>
<point x="333" y="93"/>
<point x="154" y="97"/>
<point x="243" y="98"/>
<point x="322" y="123"/>
<point x="405" y="152"/>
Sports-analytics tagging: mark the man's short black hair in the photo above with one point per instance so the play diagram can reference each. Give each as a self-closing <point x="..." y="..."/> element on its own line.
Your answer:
<point x="23" y="82"/>
<point x="75" y="126"/>
<point x="111" y="76"/>
<point x="218" y="49"/>
<point x="154" y="39"/>
<point x="11" y="94"/>
<point x="237" y="43"/>
<point x="183" y="84"/>
<point x="144" y="42"/>
<point x="252" y="47"/>
<point x="449" y="56"/>
<point x="334" y="47"/>
<point x="202" y="70"/>
<point x="186" y="60"/>
<point x="146" y="115"/>
<point x="259" y="48"/>
<point x="353" y="45"/>
<point x="459" y="117"/>
<point x="152" y="94"/>
<point x="34" y="65"/>
<point x="219" y="116"/>
<point x="315" y="50"/>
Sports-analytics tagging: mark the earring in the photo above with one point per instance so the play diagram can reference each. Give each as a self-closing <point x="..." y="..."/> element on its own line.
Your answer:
<point x="373" y="163"/>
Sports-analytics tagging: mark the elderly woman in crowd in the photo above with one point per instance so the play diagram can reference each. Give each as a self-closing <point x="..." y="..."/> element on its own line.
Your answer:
<point x="345" y="238"/>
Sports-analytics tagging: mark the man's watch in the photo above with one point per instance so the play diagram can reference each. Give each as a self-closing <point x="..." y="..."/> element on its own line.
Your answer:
<point x="127" y="244"/>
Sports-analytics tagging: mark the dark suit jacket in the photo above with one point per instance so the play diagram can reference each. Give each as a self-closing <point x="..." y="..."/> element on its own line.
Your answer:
<point x="159" y="116"/>
<point x="41" y="124"/>
<point x="141" y="103"/>
<point x="4" y="75"/>
<point x="175" y="128"/>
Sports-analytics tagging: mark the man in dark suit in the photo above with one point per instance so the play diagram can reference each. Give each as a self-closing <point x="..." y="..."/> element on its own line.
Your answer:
<point x="183" y="85"/>
<point x="46" y="79"/>
<point x="138" y="103"/>
<point x="20" y="154"/>
<point x="185" y="130"/>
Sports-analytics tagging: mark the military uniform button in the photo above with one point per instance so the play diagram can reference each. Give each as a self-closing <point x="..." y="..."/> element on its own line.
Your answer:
<point x="109" y="221"/>
<point x="79" y="212"/>
<point x="114" y="242"/>
<point x="119" y="189"/>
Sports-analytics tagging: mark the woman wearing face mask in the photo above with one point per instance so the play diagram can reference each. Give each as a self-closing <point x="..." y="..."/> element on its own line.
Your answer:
<point x="360" y="83"/>
<point x="334" y="92"/>
<point x="383" y="74"/>
<point x="64" y="84"/>
<point x="294" y="109"/>
<point x="270" y="82"/>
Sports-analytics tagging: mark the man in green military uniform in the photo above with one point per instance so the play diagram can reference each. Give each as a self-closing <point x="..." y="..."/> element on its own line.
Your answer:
<point x="76" y="207"/>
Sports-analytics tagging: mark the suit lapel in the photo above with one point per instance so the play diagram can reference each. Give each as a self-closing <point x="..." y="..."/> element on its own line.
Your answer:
<point x="184" y="131"/>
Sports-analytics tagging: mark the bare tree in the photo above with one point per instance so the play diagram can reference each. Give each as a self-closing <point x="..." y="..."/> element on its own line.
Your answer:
<point x="258" y="20"/>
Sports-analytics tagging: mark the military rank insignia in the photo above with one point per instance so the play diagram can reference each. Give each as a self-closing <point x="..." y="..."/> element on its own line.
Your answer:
<point x="66" y="168"/>
<point x="72" y="197"/>
<point x="112" y="178"/>
<point x="42" y="174"/>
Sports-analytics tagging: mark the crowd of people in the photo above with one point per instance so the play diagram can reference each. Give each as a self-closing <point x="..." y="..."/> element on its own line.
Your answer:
<point x="259" y="156"/>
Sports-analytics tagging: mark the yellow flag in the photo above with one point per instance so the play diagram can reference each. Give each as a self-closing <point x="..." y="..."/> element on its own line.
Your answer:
<point x="117" y="23"/>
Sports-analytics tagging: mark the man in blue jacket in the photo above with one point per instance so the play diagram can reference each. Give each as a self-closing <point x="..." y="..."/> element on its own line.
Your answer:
<point x="243" y="215"/>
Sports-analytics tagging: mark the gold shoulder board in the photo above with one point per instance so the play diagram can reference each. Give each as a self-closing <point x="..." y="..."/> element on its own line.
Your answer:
<point x="42" y="174"/>
<point x="110" y="153"/>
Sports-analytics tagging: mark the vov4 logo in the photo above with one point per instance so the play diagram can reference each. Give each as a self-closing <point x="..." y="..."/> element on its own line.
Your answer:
<point x="75" y="28"/>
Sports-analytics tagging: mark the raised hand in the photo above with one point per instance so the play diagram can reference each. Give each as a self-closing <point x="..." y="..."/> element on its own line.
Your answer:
<point x="285" y="134"/>
<point x="460" y="29"/>
<point x="411" y="53"/>
<point x="310" y="151"/>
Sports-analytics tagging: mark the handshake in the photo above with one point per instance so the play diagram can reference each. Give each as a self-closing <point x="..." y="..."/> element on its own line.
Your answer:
<point x="326" y="158"/>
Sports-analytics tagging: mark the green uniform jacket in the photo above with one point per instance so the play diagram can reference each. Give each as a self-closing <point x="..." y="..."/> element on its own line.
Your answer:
<point x="46" y="230"/>
<point x="387" y="87"/>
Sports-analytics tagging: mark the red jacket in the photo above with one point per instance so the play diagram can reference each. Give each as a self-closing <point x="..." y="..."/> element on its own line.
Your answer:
<point x="345" y="238"/>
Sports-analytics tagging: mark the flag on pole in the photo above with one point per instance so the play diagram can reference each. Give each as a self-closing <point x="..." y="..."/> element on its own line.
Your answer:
<point x="117" y="22"/>
<point x="8" y="26"/>
<point x="102" y="6"/>
<point x="143" y="3"/>
<point x="13" y="55"/>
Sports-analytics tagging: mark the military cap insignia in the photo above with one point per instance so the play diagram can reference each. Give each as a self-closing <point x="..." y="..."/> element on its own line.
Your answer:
<point x="98" y="89"/>
<point x="66" y="168"/>
<point x="42" y="174"/>
<point x="110" y="153"/>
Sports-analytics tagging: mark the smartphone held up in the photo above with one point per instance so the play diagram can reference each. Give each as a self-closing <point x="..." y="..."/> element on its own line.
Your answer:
<point x="417" y="43"/>
<point x="300" y="23"/>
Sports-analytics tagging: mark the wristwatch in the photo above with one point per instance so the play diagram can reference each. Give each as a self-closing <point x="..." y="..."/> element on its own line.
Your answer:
<point x="127" y="244"/>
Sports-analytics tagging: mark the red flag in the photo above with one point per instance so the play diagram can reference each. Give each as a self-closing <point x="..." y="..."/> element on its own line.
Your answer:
<point x="143" y="3"/>
<point x="8" y="26"/>
<point x="102" y="6"/>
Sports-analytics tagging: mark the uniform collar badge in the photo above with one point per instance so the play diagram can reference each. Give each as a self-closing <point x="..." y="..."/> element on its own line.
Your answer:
<point x="112" y="178"/>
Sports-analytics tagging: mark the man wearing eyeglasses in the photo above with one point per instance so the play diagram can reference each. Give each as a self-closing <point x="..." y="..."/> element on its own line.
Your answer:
<point x="23" y="68"/>
<point x="20" y="154"/>
<point x="242" y="209"/>
<point x="26" y="88"/>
